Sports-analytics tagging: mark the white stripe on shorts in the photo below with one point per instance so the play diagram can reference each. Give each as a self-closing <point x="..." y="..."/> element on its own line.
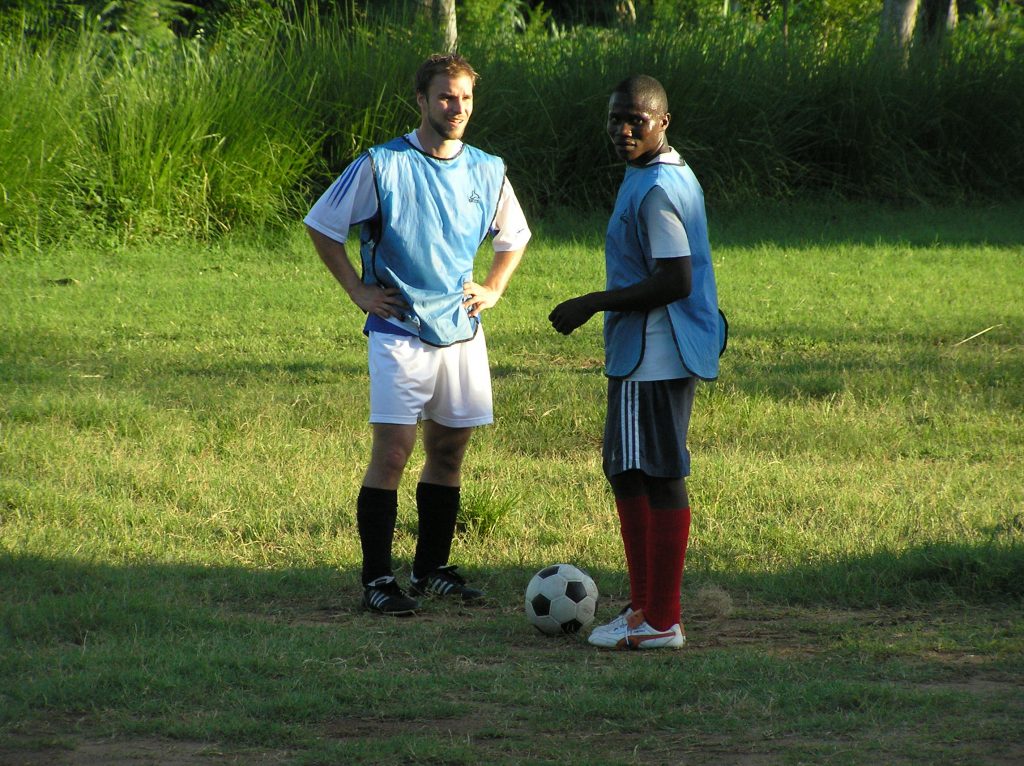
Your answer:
<point x="629" y="423"/>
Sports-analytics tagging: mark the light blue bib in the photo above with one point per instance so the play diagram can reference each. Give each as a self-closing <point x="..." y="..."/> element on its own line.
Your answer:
<point x="434" y="214"/>
<point x="698" y="326"/>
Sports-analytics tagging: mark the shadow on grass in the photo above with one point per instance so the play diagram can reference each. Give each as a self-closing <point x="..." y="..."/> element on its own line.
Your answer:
<point x="284" y="658"/>
<point x="810" y="223"/>
<point x="793" y="361"/>
<point x="988" y="573"/>
<point x="256" y="372"/>
<point x="68" y="601"/>
<point x="817" y="374"/>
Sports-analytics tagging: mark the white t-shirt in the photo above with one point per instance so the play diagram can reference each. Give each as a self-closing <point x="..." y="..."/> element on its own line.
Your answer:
<point x="663" y="234"/>
<point x="352" y="199"/>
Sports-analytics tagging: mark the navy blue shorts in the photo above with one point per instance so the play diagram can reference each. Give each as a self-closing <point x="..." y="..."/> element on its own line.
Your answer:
<point x="646" y="425"/>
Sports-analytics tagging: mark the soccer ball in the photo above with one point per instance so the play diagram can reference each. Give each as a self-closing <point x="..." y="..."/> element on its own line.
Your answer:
<point x="561" y="599"/>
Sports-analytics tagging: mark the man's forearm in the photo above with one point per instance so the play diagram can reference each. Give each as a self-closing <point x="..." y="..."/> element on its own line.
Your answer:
<point x="671" y="280"/>
<point x="335" y="258"/>
<point x="502" y="268"/>
<point x="643" y="296"/>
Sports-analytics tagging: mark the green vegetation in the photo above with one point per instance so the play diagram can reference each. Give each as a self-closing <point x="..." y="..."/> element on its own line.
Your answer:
<point x="111" y="136"/>
<point x="161" y="143"/>
<point x="183" y="434"/>
<point x="183" y="392"/>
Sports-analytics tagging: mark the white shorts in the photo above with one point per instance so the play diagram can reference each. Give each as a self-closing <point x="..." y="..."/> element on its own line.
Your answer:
<point x="412" y="381"/>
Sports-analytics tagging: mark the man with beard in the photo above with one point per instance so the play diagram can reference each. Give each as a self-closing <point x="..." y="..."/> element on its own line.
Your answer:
<point x="425" y="202"/>
<point x="662" y="332"/>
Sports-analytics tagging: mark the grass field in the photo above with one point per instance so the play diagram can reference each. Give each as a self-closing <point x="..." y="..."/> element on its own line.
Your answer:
<point x="183" y="435"/>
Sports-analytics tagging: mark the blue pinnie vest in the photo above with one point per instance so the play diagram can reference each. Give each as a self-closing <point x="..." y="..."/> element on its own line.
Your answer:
<point x="697" y="324"/>
<point x="433" y="215"/>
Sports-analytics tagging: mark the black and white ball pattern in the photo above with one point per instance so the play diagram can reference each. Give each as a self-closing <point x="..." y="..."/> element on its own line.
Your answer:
<point x="561" y="599"/>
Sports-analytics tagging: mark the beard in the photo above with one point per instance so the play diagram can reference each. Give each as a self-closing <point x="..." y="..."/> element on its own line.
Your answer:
<point x="445" y="129"/>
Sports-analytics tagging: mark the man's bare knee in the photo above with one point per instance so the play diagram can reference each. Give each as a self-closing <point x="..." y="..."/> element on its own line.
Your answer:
<point x="392" y="447"/>
<point x="445" y="449"/>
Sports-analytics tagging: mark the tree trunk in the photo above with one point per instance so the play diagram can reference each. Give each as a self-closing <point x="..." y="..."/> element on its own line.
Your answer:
<point x="442" y="13"/>
<point x="899" y="17"/>
<point x="938" y="17"/>
<point x="451" y="32"/>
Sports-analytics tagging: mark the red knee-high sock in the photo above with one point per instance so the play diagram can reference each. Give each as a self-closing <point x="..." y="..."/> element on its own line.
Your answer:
<point x="667" y="537"/>
<point x="634" y="523"/>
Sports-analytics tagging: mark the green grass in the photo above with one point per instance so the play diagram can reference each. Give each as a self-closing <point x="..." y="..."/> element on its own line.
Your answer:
<point x="182" y="435"/>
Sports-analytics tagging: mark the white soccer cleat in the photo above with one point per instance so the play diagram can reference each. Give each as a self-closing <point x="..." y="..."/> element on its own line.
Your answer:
<point x="643" y="636"/>
<point x="608" y="635"/>
<point x="632" y="631"/>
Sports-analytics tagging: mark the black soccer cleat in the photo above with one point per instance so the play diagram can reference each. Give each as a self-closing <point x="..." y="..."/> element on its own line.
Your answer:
<point x="445" y="581"/>
<point x="384" y="596"/>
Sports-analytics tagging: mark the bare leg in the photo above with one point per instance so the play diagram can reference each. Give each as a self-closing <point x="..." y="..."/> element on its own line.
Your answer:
<point x="445" y="448"/>
<point x="392" y="446"/>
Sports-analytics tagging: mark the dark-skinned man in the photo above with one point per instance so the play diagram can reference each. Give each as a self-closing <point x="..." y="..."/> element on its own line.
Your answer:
<point x="663" y="332"/>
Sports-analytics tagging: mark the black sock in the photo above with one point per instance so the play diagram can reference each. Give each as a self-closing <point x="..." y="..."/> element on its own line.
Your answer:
<point x="438" y="509"/>
<point x="376" y="511"/>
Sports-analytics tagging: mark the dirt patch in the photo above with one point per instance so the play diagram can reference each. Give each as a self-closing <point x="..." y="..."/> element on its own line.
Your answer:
<point x="75" y="741"/>
<point x="349" y="727"/>
<point x="134" y="751"/>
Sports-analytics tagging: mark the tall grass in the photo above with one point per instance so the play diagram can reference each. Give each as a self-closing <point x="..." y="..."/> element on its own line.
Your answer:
<point x="357" y="76"/>
<point x="758" y="116"/>
<point x="246" y="128"/>
<point x="44" y="97"/>
<point x="198" y="141"/>
<point x="167" y="141"/>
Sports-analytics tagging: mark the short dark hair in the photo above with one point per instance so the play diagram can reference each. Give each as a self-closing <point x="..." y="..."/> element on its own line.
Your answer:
<point x="645" y="90"/>
<point x="451" y="64"/>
